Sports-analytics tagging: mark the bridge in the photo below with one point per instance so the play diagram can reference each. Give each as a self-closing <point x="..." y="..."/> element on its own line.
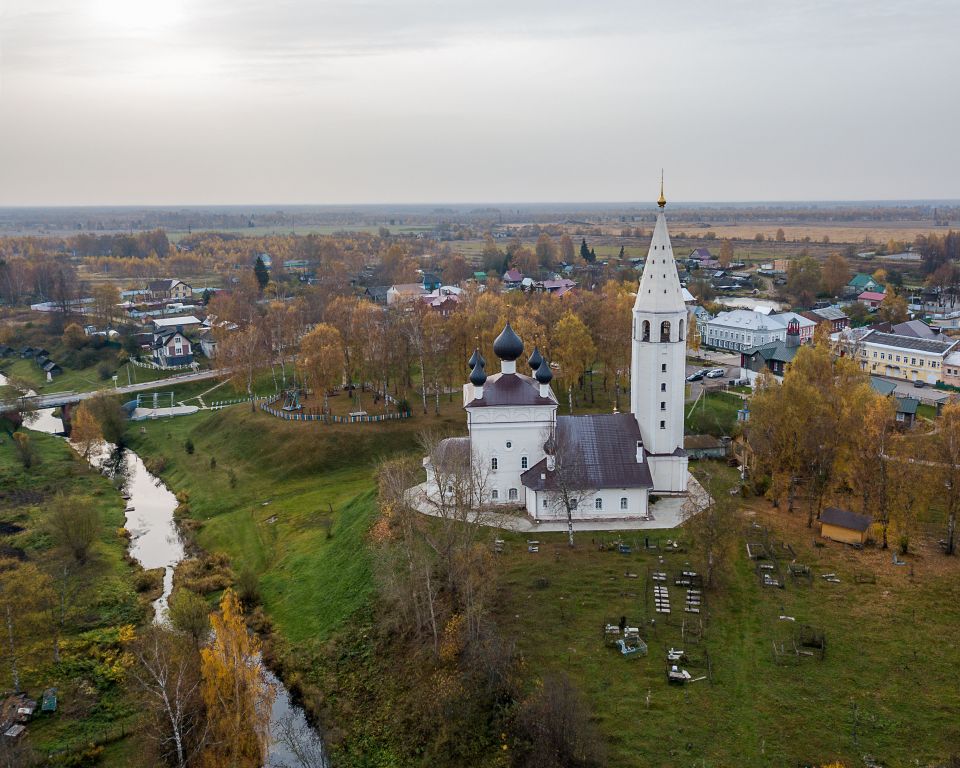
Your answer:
<point x="65" y="399"/>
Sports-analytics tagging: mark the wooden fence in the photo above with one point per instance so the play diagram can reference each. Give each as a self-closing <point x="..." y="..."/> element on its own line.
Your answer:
<point x="312" y="414"/>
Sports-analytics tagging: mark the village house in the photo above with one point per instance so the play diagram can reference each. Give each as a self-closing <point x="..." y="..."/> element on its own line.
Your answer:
<point x="904" y="357"/>
<point x="512" y="279"/>
<point x="377" y="293"/>
<point x="832" y="315"/>
<point x="187" y="322"/>
<point x="171" y="347"/>
<point x="871" y="299"/>
<point x="773" y="356"/>
<point x="742" y="329"/>
<point x="404" y="292"/>
<point x="861" y="282"/>
<point x="167" y="289"/>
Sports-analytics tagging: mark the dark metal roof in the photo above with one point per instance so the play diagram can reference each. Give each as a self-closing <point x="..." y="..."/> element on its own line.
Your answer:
<point x="882" y="386"/>
<point x="451" y="454"/>
<point x="907" y="405"/>
<point x="845" y="519"/>
<point x="511" y="389"/>
<point x="605" y="447"/>
<point x="934" y="346"/>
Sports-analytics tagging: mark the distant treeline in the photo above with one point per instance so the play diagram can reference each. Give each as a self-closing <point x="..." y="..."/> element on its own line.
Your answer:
<point x="138" y="246"/>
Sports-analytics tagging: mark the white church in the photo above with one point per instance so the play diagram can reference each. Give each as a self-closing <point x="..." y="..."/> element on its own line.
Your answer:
<point x="604" y="467"/>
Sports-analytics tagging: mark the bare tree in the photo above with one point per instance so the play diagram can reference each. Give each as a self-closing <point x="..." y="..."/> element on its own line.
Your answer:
<point x="711" y="522"/>
<point x="167" y="677"/>
<point x="568" y="479"/>
<point x="76" y="525"/>
<point x="556" y="726"/>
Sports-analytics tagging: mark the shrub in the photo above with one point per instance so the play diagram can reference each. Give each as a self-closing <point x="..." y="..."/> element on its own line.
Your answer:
<point x="105" y="370"/>
<point x="248" y="586"/>
<point x="188" y="446"/>
<point x="213" y="462"/>
<point x="233" y="478"/>
<point x="148" y="581"/>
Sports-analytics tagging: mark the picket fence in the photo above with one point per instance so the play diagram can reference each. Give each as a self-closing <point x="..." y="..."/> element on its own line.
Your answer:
<point x="314" y="415"/>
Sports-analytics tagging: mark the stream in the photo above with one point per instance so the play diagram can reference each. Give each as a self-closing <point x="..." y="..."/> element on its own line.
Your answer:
<point x="155" y="543"/>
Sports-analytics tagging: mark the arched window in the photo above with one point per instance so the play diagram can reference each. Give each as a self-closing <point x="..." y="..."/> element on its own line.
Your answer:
<point x="494" y="494"/>
<point x="523" y="462"/>
<point x="493" y="463"/>
<point x="598" y="503"/>
<point x="665" y="330"/>
<point x="623" y="502"/>
<point x="681" y="331"/>
<point x="646" y="331"/>
<point x="512" y="493"/>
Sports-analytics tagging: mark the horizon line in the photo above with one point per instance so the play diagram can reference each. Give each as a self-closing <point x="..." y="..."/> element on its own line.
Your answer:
<point x="491" y="203"/>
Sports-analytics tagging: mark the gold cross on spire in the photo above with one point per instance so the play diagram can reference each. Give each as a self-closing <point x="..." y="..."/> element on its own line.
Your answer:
<point x="662" y="201"/>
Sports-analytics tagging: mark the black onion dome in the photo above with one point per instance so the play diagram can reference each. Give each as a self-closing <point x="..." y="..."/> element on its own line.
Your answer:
<point x="474" y="359"/>
<point x="544" y="375"/>
<point x="482" y="361"/>
<point x="536" y="359"/>
<point x="508" y="345"/>
<point x="478" y="376"/>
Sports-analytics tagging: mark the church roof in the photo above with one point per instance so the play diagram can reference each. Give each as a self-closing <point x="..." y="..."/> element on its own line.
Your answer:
<point x="604" y="447"/>
<point x="660" y="286"/>
<point x="511" y="389"/>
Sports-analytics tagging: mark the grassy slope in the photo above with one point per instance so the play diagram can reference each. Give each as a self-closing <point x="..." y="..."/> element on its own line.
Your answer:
<point x="84" y="716"/>
<point x="888" y="652"/>
<point x="302" y="470"/>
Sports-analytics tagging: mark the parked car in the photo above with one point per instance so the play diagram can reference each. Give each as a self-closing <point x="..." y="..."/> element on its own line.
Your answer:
<point x="696" y="376"/>
<point x="919" y="384"/>
<point x="716" y="373"/>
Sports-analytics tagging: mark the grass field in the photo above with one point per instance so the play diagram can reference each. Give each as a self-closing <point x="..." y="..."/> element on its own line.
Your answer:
<point x="886" y="686"/>
<point x="289" y="479"/>
<point x="94" y="707"/>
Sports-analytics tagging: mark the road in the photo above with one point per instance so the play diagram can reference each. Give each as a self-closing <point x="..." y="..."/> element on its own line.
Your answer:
<point x="56" y="399"/>
<point x="730" y="371"/>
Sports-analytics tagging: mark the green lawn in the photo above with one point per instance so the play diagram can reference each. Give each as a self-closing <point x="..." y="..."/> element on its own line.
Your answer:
<point x="715" y="414"/>
<point x="887" y="686"/>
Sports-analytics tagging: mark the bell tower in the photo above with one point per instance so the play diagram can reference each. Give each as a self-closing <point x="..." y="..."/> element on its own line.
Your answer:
<point x="657" y="369"/>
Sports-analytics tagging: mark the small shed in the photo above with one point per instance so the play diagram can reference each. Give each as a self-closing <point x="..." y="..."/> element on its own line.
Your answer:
<point x="704" y="447"/>
<point x="844" y="526"/>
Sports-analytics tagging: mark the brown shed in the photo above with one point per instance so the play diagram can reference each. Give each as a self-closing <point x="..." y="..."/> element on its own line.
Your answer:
<point x="842" y="525"/>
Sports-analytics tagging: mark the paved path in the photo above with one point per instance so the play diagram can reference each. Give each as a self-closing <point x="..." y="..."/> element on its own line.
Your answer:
<point x="668" y="512"/>
<point x="56" y="399"/>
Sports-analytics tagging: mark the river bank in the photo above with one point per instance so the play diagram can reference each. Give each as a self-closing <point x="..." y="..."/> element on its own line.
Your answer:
<point x="155" y="542"/>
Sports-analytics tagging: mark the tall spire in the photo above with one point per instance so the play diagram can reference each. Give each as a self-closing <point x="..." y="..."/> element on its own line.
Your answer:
<point x="662" y="201"/>
<point x="659" y="289"/>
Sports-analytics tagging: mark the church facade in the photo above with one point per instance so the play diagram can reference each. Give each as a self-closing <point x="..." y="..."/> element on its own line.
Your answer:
<point x="600" y="467"/>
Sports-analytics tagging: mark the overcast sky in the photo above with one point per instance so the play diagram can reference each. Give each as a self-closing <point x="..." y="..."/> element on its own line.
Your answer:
<point x="357" y="101"/>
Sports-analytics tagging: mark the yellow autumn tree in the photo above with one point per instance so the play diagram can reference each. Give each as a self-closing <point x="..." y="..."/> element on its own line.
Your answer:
<point x="237" y="696"/>
<point x="322" y="360"/>
<point x="573" y="349"/>
<point x="85" y="431"/>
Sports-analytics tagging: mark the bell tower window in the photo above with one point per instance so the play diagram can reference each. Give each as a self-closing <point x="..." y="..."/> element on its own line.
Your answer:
<point x="646" y="331"/>
<point x="665" y="330"/>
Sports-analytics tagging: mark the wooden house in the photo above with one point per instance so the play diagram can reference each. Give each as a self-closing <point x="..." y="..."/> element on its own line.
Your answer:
<point x="844" y="526"/>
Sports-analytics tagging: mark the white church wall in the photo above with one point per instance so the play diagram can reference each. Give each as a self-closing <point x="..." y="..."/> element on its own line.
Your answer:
<point x="669" y="474"/>
<point x="508" y="435"/>
<point x="603" y="504"/>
